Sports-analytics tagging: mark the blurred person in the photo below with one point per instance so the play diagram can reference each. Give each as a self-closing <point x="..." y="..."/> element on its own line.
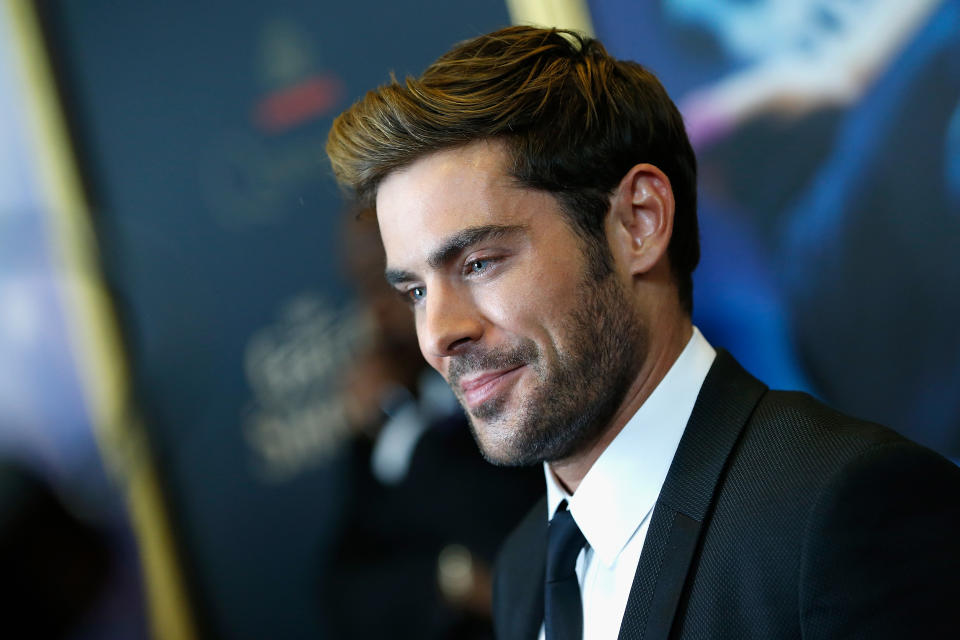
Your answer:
<point x="412" y="560"/>
<point x="537" y="203"/>
<point x="55" y="567"/>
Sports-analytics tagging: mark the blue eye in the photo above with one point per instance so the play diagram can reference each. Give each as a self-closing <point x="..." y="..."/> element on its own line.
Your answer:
<point x="477" y="266"/>
<point x="416" y="293"/>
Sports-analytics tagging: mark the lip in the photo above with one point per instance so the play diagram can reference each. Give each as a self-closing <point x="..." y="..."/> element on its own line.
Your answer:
<point x="480" y="388"/>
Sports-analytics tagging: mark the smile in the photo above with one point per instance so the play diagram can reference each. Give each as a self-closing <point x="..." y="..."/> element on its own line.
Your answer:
<point x="480" y="389"/>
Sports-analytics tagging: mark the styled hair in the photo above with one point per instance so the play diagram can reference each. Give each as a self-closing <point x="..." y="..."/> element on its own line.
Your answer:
<point x="574" y="120"/>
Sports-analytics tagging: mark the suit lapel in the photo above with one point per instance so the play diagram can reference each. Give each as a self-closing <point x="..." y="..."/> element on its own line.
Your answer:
<point x="725" y="402"/>
<point x="529" y="597"/>
<point x="518" y="595"/>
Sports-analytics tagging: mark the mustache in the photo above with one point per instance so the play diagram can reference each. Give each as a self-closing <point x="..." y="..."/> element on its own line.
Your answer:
<point x="476" y="360"/>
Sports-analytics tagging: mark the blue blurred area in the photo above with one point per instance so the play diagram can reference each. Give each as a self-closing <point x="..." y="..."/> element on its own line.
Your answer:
<point x="868" y="252"/>
<point x="952" y="159"/>
<point x="201" y="130"/>
<point x="737" y="303"/>
<point x="828" y="191"/>
<point x="59" y="512"/>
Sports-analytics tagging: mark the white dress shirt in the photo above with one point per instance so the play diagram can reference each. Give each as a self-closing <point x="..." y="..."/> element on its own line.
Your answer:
<point x="613" y="504"/>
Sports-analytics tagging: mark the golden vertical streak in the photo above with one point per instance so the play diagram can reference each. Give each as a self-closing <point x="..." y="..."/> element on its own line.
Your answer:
<point x="567" y="14"/>
<point x="94" y="337"/>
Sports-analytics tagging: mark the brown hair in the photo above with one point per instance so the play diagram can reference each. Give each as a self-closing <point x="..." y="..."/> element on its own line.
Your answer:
<point x="575" y="121"/>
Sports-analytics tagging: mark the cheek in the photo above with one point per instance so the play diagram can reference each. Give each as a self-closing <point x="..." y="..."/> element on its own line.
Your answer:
<point x="552" y="288"/>
<point x="558" y="272"/>
<point x="528" y="306"/>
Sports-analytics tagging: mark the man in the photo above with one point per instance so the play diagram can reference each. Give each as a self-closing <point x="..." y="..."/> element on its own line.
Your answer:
<point x="537" y="204"/>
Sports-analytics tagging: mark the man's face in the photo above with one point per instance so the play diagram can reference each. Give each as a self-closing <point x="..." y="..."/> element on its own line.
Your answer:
<point x="537" y="346"/>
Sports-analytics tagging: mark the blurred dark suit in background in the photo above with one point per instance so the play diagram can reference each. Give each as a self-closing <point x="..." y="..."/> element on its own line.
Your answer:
<point x="55" y="567"/>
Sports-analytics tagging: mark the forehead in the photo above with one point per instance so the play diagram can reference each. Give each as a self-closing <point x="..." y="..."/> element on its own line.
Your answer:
<point x="447" y="191"/>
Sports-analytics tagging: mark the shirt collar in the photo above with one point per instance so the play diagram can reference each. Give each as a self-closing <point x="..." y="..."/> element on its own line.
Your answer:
<point x="622" y="486"/>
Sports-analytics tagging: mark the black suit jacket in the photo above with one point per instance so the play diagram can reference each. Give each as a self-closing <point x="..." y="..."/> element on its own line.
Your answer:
<point x="779" y="518"/>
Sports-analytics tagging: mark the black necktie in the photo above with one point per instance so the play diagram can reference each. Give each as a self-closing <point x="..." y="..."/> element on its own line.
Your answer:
<point x="563" y="613"/>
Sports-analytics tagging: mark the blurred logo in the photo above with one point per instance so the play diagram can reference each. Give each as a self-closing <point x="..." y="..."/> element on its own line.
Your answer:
<point x="258" y="176"/>
<point x="298" y="90"/>
<point x="250" y="182"/>
<point x="297" y="418"/>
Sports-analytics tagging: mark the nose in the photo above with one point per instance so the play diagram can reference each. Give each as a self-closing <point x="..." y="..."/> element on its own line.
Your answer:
<point x="450" y="322"/>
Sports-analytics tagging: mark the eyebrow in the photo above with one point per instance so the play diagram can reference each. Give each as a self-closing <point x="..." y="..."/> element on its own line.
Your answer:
<point x="454" y="246"/>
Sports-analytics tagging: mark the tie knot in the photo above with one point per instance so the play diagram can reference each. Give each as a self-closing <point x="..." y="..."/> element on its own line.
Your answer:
<point x="564" y="542"/>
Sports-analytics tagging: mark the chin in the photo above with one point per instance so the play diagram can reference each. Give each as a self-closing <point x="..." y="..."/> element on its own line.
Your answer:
<point x="496" y="444"/>
<point x="505" y="445"/>
<point x="501" y="458"/>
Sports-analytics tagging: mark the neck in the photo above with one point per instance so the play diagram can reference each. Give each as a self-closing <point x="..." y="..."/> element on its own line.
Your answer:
<point x="666" y="344"/>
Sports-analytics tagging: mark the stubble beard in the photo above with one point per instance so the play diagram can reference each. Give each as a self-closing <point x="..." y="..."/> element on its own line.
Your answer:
<point x="604" y="343"/>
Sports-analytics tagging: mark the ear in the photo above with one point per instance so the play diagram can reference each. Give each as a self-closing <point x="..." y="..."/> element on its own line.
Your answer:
<point x="641" y="215"/>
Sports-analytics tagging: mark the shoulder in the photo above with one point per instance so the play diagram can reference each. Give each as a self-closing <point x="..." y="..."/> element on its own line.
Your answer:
<point x="845" y="518"/>
<point x="796" y="424"/>
<point x="875" y="517"/>
<point x="882" y="532"/>
<point x="850" y="466"/>
<point x="795" y="445"/>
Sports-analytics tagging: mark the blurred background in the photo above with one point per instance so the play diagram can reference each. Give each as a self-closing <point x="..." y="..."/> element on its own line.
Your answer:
<point x="214" y="421"/>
